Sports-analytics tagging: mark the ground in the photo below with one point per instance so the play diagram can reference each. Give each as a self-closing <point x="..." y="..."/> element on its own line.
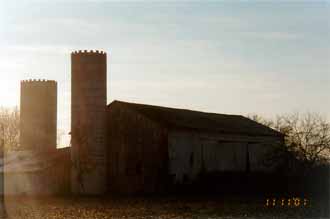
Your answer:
<point x="151" y="207"/>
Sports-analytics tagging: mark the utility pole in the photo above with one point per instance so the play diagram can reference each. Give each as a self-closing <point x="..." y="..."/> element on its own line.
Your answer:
<point x="3" y="213"/>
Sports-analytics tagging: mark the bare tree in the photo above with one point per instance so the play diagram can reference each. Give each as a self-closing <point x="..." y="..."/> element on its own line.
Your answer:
<point x="9" y="118"/>
<point x="261" y="120"/>
<point x="307" y="136"/>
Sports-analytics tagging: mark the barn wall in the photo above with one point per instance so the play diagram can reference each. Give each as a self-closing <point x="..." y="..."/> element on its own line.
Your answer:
<point x="50" y="181"/>
<point x="185" y="159"/>
<point x="46" y="174"/>
<point x="137" y="152"/>
<point x="190" y="152"/>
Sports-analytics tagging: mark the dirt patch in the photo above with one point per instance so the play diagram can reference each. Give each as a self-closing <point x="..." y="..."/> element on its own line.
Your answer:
<point x="143" y="208"/>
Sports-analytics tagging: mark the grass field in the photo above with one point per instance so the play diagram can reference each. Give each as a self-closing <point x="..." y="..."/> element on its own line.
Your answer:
<point x="162" y="208"/>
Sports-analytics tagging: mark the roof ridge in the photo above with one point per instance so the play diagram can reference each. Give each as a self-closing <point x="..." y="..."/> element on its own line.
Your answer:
<point x="173" y="108"/>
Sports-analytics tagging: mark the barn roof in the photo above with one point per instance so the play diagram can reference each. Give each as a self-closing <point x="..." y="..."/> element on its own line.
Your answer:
<point x="183" y="118"/>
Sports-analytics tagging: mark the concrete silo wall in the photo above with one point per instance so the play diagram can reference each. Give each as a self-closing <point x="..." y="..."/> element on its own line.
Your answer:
<point x="88" y="122"/>
<point x="38" y="115"/>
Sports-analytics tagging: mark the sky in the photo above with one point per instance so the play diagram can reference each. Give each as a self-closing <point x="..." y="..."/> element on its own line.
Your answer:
<point x="234" y="57"/>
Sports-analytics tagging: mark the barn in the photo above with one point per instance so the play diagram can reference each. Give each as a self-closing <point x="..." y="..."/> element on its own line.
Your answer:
<point x="152" y="147"/>
<point x="36" y="173"/>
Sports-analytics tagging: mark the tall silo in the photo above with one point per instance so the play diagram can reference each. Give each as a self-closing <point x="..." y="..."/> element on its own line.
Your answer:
<point x="38" y="115"/>
<point x="88" y="121"/>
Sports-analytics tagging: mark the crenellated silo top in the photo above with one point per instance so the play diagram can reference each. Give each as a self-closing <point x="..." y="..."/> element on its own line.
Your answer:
<point x="38" y="82"/>
<point x="94" y="58"/>
<point x="88" y="52"/>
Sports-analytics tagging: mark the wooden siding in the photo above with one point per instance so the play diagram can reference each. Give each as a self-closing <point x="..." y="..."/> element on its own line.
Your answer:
<point x="137" y="152"/>
<point x="191" y="152"/>
<point x="54" y="180"/>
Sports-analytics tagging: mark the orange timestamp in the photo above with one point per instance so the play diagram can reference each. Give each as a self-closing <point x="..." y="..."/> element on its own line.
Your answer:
<point x="294" y="202"/>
